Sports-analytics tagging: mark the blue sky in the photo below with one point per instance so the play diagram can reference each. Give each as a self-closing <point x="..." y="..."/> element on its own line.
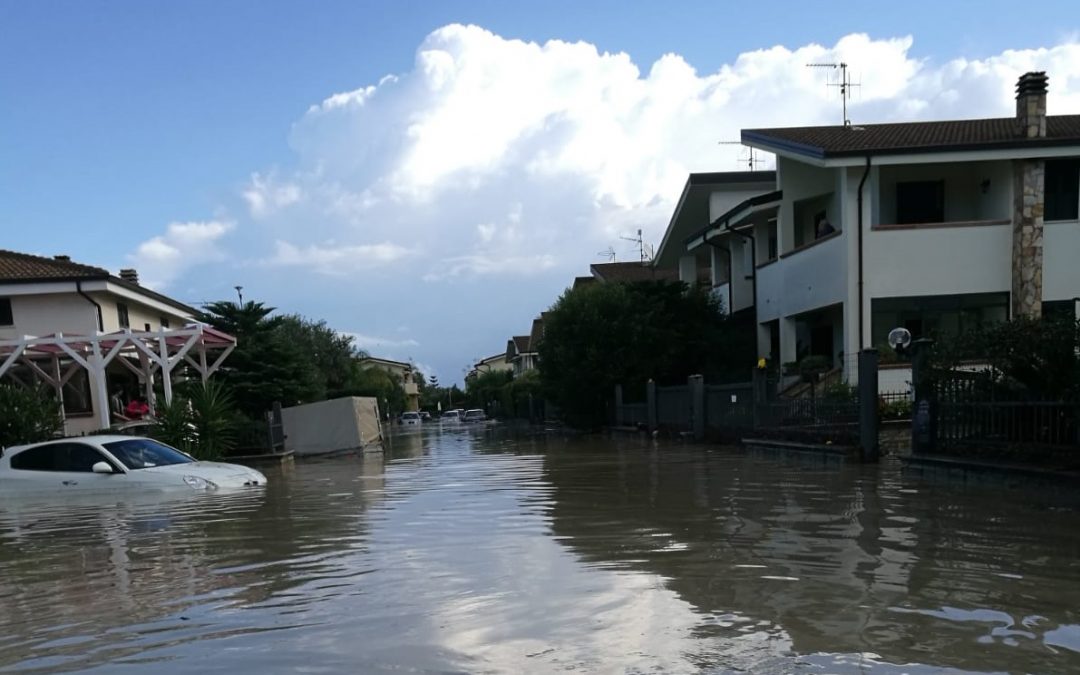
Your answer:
<point x="430" y="230"/>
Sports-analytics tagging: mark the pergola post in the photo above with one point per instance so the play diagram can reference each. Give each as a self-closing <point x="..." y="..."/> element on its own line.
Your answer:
<point x="166" y="369"/>
<point x="97" y="374"/>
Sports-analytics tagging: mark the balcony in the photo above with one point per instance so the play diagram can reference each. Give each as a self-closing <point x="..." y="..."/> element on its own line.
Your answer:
<point x="806" y="278"/>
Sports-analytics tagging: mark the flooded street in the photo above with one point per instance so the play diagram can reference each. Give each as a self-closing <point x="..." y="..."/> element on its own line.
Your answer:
<point x="474" y="551"/>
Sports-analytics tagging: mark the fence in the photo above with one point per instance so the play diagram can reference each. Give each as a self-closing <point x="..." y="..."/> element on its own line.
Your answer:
<point x="813" y="420"/>
<point x="1018" y="425"/>
<point x="729" y="408"/>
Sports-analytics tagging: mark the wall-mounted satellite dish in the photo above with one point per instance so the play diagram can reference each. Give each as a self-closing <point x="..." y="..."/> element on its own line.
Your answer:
<point x="899" y="339"/>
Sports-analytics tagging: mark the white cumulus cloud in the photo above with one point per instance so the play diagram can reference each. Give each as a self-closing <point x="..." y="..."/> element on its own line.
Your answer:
<point x="183" y="246"/>
<point x="337" y="260"/>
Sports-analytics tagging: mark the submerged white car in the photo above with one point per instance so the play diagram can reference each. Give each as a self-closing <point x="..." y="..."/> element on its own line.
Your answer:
<point x="106" y="463"/>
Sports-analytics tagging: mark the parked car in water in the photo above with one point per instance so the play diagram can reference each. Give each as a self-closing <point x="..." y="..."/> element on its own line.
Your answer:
<point x="475" y="415"/>
<point x="425" y="416"/>
<point x="451" y="417"/>
<point x="114" y="462"/>
<point x="410" y="419"/>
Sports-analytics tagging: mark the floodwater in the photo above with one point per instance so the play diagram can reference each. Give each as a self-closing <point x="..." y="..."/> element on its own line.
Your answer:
<point x="477" y="551"/>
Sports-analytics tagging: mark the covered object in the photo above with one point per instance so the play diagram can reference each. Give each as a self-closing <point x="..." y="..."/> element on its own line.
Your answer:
<point x="340" y="424"/>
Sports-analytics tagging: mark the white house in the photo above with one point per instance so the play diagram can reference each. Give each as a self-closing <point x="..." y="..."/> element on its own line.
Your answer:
<point x="93" y="336"/>
<point x="520" y="355"/>
<point x="934" y="226"/>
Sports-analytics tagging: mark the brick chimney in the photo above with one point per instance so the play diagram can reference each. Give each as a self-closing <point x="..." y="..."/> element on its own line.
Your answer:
<point x="1029" y="200"/>
<point x="1031" y="105"/>
<point x="129" y="275"/>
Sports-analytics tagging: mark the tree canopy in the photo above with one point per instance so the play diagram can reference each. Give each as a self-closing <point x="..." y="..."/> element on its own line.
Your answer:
<point x="600" y="335"/>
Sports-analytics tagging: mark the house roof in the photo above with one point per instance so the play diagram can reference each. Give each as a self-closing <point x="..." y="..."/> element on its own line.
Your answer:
<point x="18" y="267"/>
<point x="521" y="343"/>
<point x="912" y="137"/>
<point x="692" y="209"/>
<point x="374" y="360"/>
<point x="24" y="268"/>
<point x="583" y="281"/>
<point x="537" y="332"/>
<point x="632" y="271"/>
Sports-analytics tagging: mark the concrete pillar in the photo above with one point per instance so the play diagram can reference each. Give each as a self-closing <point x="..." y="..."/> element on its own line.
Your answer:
<point x="650" y="404"/>
<point x="99" y="387"/>
<point x="688" y="270"/>
<point x="868" y="405"/>
<point x="696" y="385"/>
<point x="787" y="340"/>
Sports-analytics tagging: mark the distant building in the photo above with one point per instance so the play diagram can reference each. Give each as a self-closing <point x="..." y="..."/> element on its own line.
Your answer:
<point x="520" y="355"/>
<point x="403" y="371"/>
<point x="491" y="364"/>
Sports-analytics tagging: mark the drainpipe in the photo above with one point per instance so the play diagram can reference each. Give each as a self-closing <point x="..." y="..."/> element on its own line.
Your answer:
<point x="100" y="321"/>
<point x="862" y="181"/>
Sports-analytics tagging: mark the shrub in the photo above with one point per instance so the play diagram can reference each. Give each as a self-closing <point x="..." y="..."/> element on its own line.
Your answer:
<point x="200" y="420"/>
<point x="28" y="415"/>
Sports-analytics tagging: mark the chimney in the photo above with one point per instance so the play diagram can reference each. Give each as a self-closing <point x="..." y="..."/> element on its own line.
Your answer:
<point x="1031" y="105"/>
<point x="129" y="275"/>
<point x="62" y="258"/>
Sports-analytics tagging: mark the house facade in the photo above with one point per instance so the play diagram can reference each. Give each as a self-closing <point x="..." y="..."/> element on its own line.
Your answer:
<point x="933" y="226"/>
<point x="519" y="355"/>
<point x="491" y="364"/>
<point x="95" y="337"/>
<point x="403" y="371"/>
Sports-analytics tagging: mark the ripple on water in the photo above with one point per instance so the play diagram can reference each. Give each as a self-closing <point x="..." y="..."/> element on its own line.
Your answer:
<point x="472" y="551"/>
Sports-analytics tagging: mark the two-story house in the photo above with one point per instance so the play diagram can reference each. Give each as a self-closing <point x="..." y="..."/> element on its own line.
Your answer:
<point x="404" y="372"/>
<point x="933" y="226"/>
<point x="95" y="337"/>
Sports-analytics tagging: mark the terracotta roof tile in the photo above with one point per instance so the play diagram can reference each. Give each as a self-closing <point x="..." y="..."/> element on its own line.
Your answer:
<point x="19" y="267"/>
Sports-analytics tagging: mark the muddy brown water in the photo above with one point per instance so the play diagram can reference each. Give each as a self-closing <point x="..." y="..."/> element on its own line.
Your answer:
<point x="484" y="551"/>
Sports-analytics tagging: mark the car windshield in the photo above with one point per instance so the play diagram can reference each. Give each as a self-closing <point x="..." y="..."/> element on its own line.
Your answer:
<point x="144" y="453"/>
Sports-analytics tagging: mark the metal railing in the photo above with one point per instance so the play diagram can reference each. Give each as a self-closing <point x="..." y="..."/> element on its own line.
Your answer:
<point x="1020" y="424"/>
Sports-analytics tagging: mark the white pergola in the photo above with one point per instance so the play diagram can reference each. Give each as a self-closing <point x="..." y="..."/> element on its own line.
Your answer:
<point x="198" y="345"/>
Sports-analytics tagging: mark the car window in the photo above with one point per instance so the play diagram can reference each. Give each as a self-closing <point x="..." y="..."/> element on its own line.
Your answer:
<point x="74" y="457"/>
<point x="145" y="453"/>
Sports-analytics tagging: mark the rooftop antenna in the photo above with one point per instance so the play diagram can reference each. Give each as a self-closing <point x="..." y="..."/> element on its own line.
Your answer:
<point x="608" y="253"/>
<point x="641" y="245"/>
<point x="844" y="84"/>
<point x="751" y="160"/>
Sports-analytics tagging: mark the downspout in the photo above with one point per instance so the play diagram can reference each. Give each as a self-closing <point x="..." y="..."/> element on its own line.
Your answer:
<point x="100" y="321"/>
<point x="866" y="173"/>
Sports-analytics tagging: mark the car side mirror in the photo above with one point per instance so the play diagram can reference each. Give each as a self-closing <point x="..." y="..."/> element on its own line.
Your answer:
<point x="102" y="467"/>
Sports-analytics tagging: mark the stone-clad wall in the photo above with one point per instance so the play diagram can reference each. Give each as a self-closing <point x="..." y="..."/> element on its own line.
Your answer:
<point x="1027" y="257"/>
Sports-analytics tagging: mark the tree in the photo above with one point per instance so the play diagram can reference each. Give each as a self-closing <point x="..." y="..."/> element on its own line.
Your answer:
<point x="600" y="335"/>
<point x="266" y="366"/>
<point x="486" y="388"/>
<point x="28" y="415"/>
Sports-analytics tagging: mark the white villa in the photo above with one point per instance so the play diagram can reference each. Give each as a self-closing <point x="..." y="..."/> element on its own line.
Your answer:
<point x="96" y="338"/>
<point x="934" y="226"/>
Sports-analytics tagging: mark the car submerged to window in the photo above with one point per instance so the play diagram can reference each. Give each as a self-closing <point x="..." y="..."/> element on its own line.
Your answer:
<point x="107" y="463"/>
<point x="410" y="419"/>
<point x="474" y="415"/>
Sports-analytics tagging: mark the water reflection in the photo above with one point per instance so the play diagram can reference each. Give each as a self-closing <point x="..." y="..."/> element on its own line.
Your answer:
<point x="838" y="559"/>
<point x="475" y="550"/>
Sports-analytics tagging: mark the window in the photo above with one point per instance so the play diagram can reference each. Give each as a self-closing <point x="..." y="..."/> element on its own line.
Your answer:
<point x="6" y="318"/>
<point x="920" y="202"/>
<point x="143" y="453"/>
<point x="1062" y="189"/>
<point x="122" y="315"/>
<point x="165" y="323"/>
<point x="77" y="394"/>
<point x="73" y="457"/>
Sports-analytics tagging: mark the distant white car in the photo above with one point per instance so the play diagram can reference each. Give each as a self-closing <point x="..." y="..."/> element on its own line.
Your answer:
<point x="410" y="419"/>
<point x="474" y="415"/>
<point x="451" y="416"/>
<point x="106" y="463"/>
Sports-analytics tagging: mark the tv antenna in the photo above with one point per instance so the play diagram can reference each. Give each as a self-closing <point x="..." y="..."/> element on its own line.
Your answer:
<point x="608" y="253"/>
<point x="751" y="160"/>
<point x="844" y="84"/>
<point x="643" y="249"/>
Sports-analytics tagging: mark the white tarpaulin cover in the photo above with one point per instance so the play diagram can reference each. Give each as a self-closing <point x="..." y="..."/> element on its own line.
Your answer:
<point x="350" y="423"/>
